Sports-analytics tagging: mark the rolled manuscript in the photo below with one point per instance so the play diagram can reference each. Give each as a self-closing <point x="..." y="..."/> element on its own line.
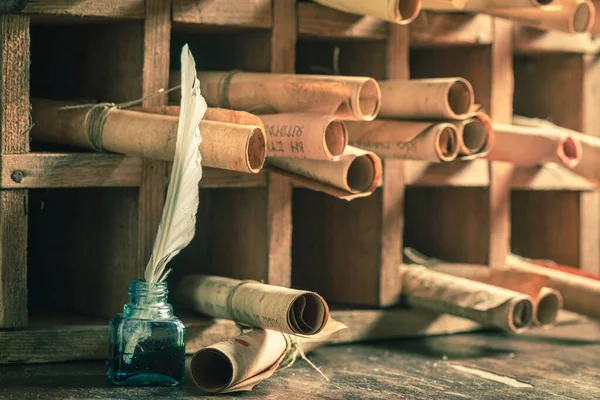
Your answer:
<point x="529" y="146"/>
<point x="241" y="363"/>
<point x="547" y="301"/>
<point x="227" y="146"/>
<point x="579" y="294"/>
<point x="481" y="5"/>
<point x="426" y="99"/>
<point x="589" y="165"/>
<point x="398" y="11"/>
<point x="342" y="97"/>
<point x="305" y="135"/>
<point x="255" y="304"/>
<point x="473" y="136"/>
<point x="489" y="305"/>
<point x="407" y="140"/>
<point x="356" y="174"/>
<point x="571" y="16"/>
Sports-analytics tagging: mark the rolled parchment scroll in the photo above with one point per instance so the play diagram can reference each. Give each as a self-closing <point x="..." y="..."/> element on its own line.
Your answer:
<point x="342" y="97"/>
<point x="579" y="294"/>
<point x="398" y="11"/>
<point x="241" y="363"/>
<point x="255" y="304"/>
<point x="547" y="301"/>
<point x="224" y="145"/>
<point x="489" y="305"/>
<point x="426" y="99"/>
<point x="481" y="5"/>
<point x="305" y="135"/>
<point x="473" y="136"/>
<point x="356" y="174"/>
<point x="571" y="16"/>
<point x="528" y="146"/>
<point x="407" y="140"/>
<point x="589" y="165"/>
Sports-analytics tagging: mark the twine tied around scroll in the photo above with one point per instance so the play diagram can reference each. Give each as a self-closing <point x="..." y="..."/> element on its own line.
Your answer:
<point x="292" y="352"/>
<point x="98" y="113"/>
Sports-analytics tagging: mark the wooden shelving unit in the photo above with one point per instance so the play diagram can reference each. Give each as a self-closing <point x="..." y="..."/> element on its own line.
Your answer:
<point x="76" y="227"/>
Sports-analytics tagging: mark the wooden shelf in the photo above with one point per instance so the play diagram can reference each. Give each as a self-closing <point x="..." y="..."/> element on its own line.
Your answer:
<point x="431" y="29"/>
<point x="530" y="40"/>
<point x="549" y="177"/>
<point x="457" y="173"/>
<point x="243" y="14"/>
<point x="75" y="9"/>
<point x="319" y="22"/>
<point x="219" y="178"/>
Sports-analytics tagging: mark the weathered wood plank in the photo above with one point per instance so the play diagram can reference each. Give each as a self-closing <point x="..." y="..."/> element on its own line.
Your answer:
<point x="279" y="231"/>
<point x="549" y="177"/>
<point x="466" y="173"/>
<point x="227" y="13"/>
<point x="49" y="170"/>
<point x="219" y="179"/>
<point x="431" y="29"/>
<point x="283" y="37"/>
<point x="318" y="22"/>
<point x="530" y="41"/>
<point x="589" y="246"/>
<point x="14" y="138"/>
<point x="118" y="9"/>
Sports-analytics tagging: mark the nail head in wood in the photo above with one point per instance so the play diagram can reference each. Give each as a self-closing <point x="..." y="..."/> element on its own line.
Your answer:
<point x="17" y="176"/>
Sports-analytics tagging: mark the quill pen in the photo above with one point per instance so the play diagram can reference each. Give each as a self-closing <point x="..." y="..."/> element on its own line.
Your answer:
<point x="178" y="222"/>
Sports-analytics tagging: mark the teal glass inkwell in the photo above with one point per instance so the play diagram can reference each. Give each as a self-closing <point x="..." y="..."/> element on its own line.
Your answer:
<point x="146" y="341"/>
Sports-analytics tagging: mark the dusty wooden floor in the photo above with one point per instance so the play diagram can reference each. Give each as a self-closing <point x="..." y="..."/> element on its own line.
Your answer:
<point x="562" y="363"/>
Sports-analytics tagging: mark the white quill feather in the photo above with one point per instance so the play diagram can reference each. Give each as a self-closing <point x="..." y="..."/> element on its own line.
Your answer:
<point x="178" y="223"/>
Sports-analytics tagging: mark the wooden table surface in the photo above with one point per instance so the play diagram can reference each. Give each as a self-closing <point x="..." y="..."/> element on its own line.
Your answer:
<point x="561" y="363"/>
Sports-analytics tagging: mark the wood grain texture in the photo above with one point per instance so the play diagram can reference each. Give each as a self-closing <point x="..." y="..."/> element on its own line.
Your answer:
<point x="319" y="22"/>
<point x="14" y="138"/>
<point x="279" y="231"/>
<point x="283" y="37"/>
<point x="155" y="76"/>
<point x="501" y="111"/>
<point x="432" y="29"/>
<point x="531" y="41"/>
<point x="118" y="9"/>
<point x="237" y="13"/>
<point x="459" y="173"/>
<point x="549" y="177"/>
<point x="50" y="170"/>
<point x="219" y="178"/>
<point x="397" y="51"/>
<point x="589" y="247"/>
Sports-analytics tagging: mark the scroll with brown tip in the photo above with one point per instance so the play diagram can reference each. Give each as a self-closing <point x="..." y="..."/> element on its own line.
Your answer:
<point x="400" y="12"/>
<point x="571" y="16"/>
<point x="255" y="304"/>
<point x="487" y="304"/>
<point x="356" y="174"/>
<point x="407" y="140"/>
<point x="426" y="99"/>
<point x="347" y="98"/>
<point x="529" y="146"/>
<point x="305" y="135"/>
<point x="224" y="145"/>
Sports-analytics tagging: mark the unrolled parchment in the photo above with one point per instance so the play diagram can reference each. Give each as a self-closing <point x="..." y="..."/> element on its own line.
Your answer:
<point x="241" y="363"/>
<point x="255" y="304"/>
<point x="356" y="174"/>
<point x="580" y="294"/>
<point x="305" y="135"/>
<point x="224" y="145"/>
<point x="481" y="5"/>
<point x="342" y="97"/>
<point x="489" y="305"/>
<point x="571" y="16"/>
<point x="528" y="146"/>
<point x="398" y="11"/>
<point x="407" y="140"/>
<point x="426" y="99"/>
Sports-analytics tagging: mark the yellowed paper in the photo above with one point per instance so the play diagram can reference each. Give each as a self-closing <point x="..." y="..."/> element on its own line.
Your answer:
<point x="480" y="302"/>
<point x="480" y="5"/>
<point x="406" y="140"/>
<point x="256" y="304"/>
<point x="398" y="11"/>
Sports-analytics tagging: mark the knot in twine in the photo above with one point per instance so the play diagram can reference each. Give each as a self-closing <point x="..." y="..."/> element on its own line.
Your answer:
<point x="98" y="113"/>
<point x="292" y="352"/>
